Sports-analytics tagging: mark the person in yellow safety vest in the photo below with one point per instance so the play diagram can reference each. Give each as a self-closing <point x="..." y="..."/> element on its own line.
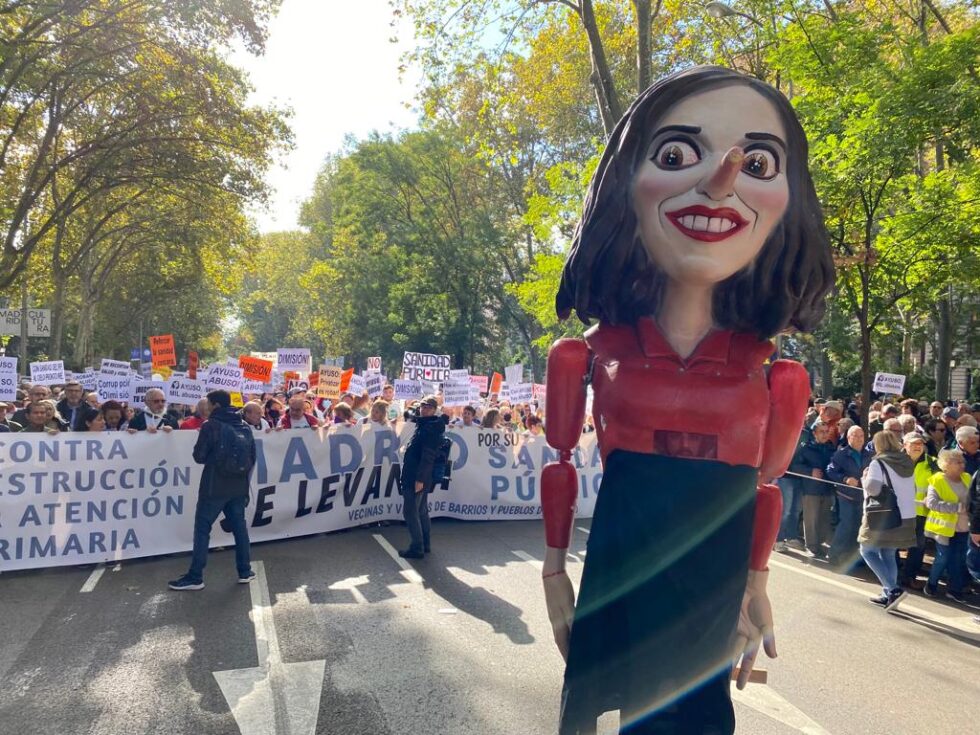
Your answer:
<point x="948" y="522"/>
<point x="925" y="467"/>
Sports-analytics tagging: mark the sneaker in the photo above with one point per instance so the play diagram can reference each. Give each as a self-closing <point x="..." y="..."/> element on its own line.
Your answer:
<point x="879" y="600"/>
<point x="956" y="596"/>
<point x="411" y="554"/>
<point x="779" y="547"/>
<point x="247" y="578"/>
<point x="795" y="543"/>
<point x="930" y="591"/>
<point x="186" y="583"/>
<point x="895" y="597"/>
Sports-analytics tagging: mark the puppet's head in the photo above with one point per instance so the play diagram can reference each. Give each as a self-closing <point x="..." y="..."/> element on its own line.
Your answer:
<point x="704" y="181"/>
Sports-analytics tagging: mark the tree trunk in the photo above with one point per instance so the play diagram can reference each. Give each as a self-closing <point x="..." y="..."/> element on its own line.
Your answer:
<point x="643" y="21"/>
<point x="84" y="351"/>
<point x="602" y="81"/>
<point x="58" y="313"/>
<point x="943" y="318"/>
<point x="826" y="375"/>
<point x="866" y="377"/>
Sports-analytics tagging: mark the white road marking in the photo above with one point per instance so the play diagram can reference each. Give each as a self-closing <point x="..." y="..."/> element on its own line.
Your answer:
<point x="350" y="585"/>
<point x="93" y="578"/>
<point x="959" y="622"/>
<point x="273" y="698"/>
<point x="408" y="571"/>
<point x="529" y="559"/>
<point x="763" y="699"/>
<point x="584" y="530"/>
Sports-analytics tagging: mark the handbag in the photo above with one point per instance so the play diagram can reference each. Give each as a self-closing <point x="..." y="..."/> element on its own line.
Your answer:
<point x="882" y="510"/>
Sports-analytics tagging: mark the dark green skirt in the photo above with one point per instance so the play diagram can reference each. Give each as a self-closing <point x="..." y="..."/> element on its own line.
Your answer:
<point x="664" y="577"/>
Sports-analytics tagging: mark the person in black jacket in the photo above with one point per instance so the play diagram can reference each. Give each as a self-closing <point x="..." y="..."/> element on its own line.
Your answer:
<point x="226" y="448"/>
<point x="973" y="550"/>
<point x="416" y="477"/>
<point x="155" y="417"/>
<point x="846" y="467"/>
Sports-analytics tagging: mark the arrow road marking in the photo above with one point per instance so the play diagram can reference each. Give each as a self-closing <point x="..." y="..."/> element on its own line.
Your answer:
<point x="763" y="699"/>
<point x="273" y="698"/>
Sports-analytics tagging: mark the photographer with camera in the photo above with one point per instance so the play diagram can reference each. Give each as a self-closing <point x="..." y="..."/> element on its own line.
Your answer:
<point x="416" y="478"/>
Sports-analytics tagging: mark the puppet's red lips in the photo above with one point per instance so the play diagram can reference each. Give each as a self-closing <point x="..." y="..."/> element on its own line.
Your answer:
<point x="707" y="224"/>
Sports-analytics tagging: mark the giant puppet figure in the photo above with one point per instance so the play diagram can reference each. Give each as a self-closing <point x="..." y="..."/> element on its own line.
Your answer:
<point x="700" y="240"/>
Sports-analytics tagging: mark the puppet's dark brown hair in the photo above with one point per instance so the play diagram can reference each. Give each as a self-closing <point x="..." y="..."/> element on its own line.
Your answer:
<point x="609" y="275"/>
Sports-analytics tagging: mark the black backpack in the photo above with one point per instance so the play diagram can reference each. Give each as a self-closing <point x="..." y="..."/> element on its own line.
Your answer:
<point x="441" y="460"/>
<point x="235" y="450"/>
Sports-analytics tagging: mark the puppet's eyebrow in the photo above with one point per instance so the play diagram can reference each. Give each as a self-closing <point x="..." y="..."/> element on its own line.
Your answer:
<point x="766" y="136"/>
<point x="692" y="129"/>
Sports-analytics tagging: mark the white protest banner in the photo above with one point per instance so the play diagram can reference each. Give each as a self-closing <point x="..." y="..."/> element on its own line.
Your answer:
<point x="375" y="383"/>
<point x="87" y="379"/>
<point x="254" y="386"/>
<point x="272" y="357"/>
<point x="140" y="387"/>
<point x="294" y="358"/>
<point x="357" y="385"/>
<point x="38" y="322"/>
<point x="185" y="391"/>
<point x="888" y="383"/>
<point x="521" y="392"/>
<point x="114" y="387"/>
<point x="114" y="367"/>
<point x="8" y="378"/>
<point x="135" y="495"/>
<point x="423" y="366"/>
<point x="462" y="374"/>
<point x="456" y="393"/>
<point x="408" y="390"/>
<point x="373" y="365"/>
<point x="223" y="377"/>
<point x="514" y="374"/>
<point x="480" y="382"/>
<point x="51" y="372"/>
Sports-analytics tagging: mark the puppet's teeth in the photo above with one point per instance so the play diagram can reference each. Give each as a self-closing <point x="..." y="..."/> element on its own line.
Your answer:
<point x="715" y="224"/>
<point x="688" y="221"/>
<point x="700" y="223"/>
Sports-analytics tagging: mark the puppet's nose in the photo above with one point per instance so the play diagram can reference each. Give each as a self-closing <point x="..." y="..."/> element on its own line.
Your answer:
<point x="721" y="182"/>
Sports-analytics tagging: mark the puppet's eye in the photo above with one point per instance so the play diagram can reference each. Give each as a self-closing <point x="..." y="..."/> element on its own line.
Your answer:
<point x="761" y="163"/>
<point x="676" y="154"/>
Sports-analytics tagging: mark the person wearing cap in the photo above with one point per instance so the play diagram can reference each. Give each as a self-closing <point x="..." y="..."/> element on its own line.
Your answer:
<point x="914" y="445"/>
<point x="831" y="413"/>
<point x="950" y="417"/>
<point x="6" y="425"/>
<point x="416" y="477"/>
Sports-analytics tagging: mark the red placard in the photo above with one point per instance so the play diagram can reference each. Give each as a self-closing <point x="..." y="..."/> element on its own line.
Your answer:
<point x="496" y="383"/>
<point x="162" y="350"/>
<point x="254" y="368"/>
<point x="345" y="379"/>
<point x="193" y="363"/>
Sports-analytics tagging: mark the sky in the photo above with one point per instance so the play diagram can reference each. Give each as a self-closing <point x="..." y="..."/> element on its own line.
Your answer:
<point x="331" y="61"/>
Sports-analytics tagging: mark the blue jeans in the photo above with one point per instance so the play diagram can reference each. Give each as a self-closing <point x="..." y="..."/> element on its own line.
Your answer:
<point x="844" y="545"/>
<point x="884" y="564"/>
<point x="950" y="558"/>
<point x="206" y="514"/>
<point x="789" y="528"/>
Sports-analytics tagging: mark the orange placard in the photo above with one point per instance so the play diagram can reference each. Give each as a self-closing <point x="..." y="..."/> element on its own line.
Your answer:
<point x="193" y="363"/>
<point x="314" y="380"/>
<point x="255" y="368"/>
<point x="496" y="383"/>
<point x="345" y="379"/>
<point x="162" y="350"/>
<point x="290" y="375"/>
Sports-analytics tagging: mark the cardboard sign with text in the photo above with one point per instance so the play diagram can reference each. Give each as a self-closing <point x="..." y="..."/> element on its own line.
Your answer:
<point x="162" y="350"/>
<point x="295" y="359"/>
<point x="329" y="382"/>
<point x="193" y="363"/>
<point x="374" y="364"/>
<point x="8" y="378"/>
<point x="185" y="391"/>
<point x="423" y="366"/>
<point x="48" y="373"/>
<point x="255" y="368"/>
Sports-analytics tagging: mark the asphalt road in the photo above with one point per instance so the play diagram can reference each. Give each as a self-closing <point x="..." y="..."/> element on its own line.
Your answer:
<point x="456" y="643"/>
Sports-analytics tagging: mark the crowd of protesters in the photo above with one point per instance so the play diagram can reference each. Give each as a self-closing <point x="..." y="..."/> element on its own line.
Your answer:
<point x="927" y="454"/>
<point x="927" y="457"/>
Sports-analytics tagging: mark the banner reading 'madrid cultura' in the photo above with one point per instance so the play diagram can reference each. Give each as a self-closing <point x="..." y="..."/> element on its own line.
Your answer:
<point x="84" y="498"/>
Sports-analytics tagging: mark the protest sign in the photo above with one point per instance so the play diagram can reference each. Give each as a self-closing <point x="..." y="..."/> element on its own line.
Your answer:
<point x="223" y="377"/>
<point x="162" y="349"/>
<point x="334" y="362"/>
<point x="479" y="382"/>
<point x="138" y="389"/>
<point x="146" y="369"/>
<point x="38" y="322"/>
<point x="428" y="388"/>
<point x="48" y="373"/>
<point x="87" y="379"/>
<point x="272" y="357"/>
<point x="291" y="375"/>
<point x="193" y="363"/>
<point x="297" y="384"/>
<point x="408" y="390"/>
<point x="236" y="400"/>
<point x="294" y="358"/>
<point x="889" y="383"/>
<point x="375" y="383"/>
<point x="314" y="380"/>
<point x="185" y="391"/>
<point x="8" y="378"/>
<point x="140" y="492"/>
<point x="255" y="368"/>
<point x="254" y="386"/>
<point x="462" y="374"/>
<point x="345" y="380"/>
<point x="114" y="367"/>
<point x="514" y="374"/>
<point x="114" y="387"/>
<point x="423" y="366"/>
<point x="497" y="383"/>
<point x="504" y="393"/>
<point x="357" y="385"/>
<point x="474" y="394"/>
<point x="521" y="392"/>
<point x="374" y="365"/>
<point x="164" y="371"/>
<point x="456" y="393"/>
<point x="540" y="391"/>
<point x="329" y="384"/>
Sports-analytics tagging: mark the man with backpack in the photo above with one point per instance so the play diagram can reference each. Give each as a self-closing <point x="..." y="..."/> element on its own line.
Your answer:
<point x="417" y="474"/>
<point x="226" y="448"/>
